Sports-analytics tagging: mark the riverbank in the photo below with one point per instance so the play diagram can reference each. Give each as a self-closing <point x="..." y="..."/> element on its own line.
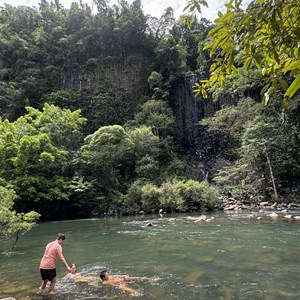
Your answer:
<point x="244" y="202"/>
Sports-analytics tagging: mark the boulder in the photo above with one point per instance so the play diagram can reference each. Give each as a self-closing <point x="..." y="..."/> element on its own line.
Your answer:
<point x="273" y="215"/>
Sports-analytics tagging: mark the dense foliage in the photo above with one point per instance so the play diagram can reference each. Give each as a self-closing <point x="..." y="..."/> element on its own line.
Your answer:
<point x="13" y="223"/>
<point x="255" y="48"/>
<point x="86" y="119"/>
<point x="91" y="106"/>
<point x="266" y="35"/>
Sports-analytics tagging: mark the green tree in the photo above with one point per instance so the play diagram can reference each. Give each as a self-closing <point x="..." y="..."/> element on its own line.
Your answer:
<point x="104" y="110"/>
<point x="62" y="125"/>
<point x="197" y="195"/>
<point x="37" y="154"/>
<point x="170" y="57"/>
<point x="144" y="142"/>
<point x="157" y="115"/>
<point x="147" y="150"/>
<point x="102" y="6"/>
<point x="192" y="7"/>
<point x="165" y="22"/>
<point x="63" y="99"/>
<point x="148" y="168"/>
<point x="150" y="195"/>
<point x="228" y="125"/>
<point x="170" y="199"/>
<point x="155" y="83"/>
<point x="106" y="154"/>
<point x="13" y="224"/>
<point x="266" y="35"/>
<point x="269" y="160"/>
<point x="270" y="150"/>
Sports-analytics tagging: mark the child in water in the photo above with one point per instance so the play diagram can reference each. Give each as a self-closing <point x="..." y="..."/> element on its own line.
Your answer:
<point x="77" y="277"/>
<point x="72" y="273"/>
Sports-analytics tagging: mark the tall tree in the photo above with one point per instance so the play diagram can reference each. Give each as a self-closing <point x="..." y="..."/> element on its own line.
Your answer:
<point x="106" y="153"/>
<point x="37" y="158"/>
<point x="157" y="115"/>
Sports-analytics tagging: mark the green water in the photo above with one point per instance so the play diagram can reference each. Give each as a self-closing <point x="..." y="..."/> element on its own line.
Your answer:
<point x="235" y="256"/>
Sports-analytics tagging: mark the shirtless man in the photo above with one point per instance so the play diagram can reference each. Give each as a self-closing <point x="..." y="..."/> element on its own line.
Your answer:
<point x="115" y="279"/>
<point x="118" y="281"/>
<point x="48" y="262"/>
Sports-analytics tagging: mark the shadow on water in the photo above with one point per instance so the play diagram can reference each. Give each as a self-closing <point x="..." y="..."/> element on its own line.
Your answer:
<point x="235" y="256"/>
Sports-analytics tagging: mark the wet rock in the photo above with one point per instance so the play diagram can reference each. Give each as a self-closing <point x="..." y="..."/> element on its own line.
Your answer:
<point x="230" y="207"/>
<point x="274" y="205"/>
<point x="265" y="203"/>
<point x="273" y="215"/>
<point x="193" y="277"/>
<point x="293" y="205"/>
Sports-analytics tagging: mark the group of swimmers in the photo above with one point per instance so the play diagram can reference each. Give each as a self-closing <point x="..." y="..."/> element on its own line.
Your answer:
<point x="48" y="271"/>
<point x="107" y="279"/>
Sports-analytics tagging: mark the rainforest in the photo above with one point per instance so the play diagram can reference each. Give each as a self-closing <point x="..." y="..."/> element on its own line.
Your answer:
<point x="114" y="112"/>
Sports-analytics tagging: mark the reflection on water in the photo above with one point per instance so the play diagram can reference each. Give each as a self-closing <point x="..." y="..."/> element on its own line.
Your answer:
<point x="234" y="256"/>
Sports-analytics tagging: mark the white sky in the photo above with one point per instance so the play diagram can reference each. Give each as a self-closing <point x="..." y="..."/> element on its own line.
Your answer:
<point x="154" y="8"/>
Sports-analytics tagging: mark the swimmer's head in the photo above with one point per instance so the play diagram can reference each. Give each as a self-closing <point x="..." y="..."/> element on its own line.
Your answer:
<point x="104" y="275"/>
<point x="73" y="268"/>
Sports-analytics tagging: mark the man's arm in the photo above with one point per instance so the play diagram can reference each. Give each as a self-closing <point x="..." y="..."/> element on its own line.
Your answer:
<point x="128" y="278"/>
<point x="87" y="278"/>
<point x="125" y="288"/>
<point x="63" y="260"/>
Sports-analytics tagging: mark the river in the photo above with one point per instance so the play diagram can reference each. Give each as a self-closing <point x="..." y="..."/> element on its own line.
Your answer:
<point x="243" y="255"/>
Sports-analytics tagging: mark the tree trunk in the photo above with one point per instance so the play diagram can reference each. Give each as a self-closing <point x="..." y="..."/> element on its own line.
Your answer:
<point x="272" y="176"/>
<point x="14" y="243"/>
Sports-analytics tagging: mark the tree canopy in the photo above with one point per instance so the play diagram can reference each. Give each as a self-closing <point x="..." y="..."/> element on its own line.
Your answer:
<point x="264" y="35"/>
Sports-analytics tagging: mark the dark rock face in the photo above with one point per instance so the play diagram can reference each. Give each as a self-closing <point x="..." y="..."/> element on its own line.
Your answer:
<point x="123" y="78"/>
<point x="196" y="143"/>
<point x="189" y="110"/>
<point x="115" y="73"/>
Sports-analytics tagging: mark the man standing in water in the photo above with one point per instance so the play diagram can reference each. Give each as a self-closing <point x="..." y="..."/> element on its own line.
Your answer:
<point x="48" y="262"/>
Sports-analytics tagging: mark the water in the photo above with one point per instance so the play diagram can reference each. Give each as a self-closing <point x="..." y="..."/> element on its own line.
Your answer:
<point x="235" y="256"/>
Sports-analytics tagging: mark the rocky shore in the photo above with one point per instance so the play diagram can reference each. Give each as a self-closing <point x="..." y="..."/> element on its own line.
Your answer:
<point x="230" y="203"/>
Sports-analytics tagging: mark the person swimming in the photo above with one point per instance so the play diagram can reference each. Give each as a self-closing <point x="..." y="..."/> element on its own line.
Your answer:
<point x="115" y="279"/>
<point x="119" y="281"/>
<point x="72" y="273"/>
